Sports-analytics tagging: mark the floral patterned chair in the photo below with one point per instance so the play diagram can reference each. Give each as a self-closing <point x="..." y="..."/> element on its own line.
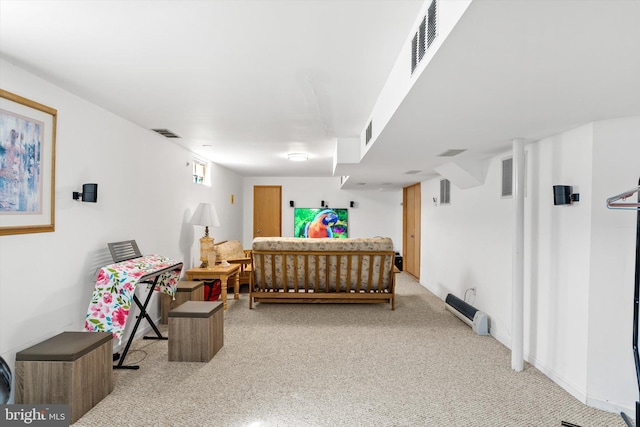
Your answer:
<point x="232" y="252"/>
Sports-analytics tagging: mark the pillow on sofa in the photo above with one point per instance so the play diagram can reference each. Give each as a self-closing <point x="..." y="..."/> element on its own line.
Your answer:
<point x="231" y="249"/>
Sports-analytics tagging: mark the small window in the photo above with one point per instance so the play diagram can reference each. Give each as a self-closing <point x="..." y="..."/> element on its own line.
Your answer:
<point x="445" y="192"/>
<point x="199" y="172"/>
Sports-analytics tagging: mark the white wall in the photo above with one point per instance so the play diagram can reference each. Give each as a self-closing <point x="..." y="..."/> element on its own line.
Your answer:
<point x="144" y="193"/>
<point x="557" y="258"/>
<point x="611" y="373"/>
<point x="376" y="213"/>
<point x="579" y="259"/>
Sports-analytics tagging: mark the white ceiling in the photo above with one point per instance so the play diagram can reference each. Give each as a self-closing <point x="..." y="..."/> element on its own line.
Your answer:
<point x="255" y="80"/>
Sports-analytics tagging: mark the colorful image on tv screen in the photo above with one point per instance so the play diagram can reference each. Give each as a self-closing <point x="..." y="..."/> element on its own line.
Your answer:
<point x="316" y="223"/>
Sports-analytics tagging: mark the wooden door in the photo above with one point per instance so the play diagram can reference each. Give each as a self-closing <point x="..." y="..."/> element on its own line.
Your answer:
<point x="411" y="229"/>
<point x="267" y="211"/>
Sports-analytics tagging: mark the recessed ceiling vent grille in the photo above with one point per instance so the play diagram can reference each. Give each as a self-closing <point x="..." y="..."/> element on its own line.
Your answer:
<point x="412" y="172"/>
<point x="453" y="152"/>
<point x="369" y="133"/>
<point x="432" y="31"/>
<point x="426" y="33"/>
<point x="166" y="133"/>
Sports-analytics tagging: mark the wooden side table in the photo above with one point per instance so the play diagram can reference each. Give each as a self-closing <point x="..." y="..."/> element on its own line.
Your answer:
<point x="219" y="272"/>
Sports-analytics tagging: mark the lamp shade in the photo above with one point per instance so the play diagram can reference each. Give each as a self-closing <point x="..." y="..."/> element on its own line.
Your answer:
<point x="205" y="215"/>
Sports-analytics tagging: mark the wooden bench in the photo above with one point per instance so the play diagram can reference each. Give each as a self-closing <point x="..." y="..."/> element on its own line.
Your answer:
<point x="186" y="291"/>
<point x="196" y="331"/>
<point x="73" y="368"/>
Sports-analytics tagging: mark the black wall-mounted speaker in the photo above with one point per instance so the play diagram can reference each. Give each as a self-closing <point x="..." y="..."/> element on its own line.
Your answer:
<point x="291" y="204"/>
<point x="562" y="195"/>
<point x="90" y="193"/>
<point x="352" y="204"/>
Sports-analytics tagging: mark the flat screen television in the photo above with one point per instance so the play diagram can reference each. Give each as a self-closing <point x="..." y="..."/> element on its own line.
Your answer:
<point x="323" y="222"/>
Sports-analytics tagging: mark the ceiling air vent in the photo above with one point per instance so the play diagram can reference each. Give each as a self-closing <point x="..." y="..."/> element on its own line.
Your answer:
<point x="166" y="133"/>
<point x="412" y="172"/>
<point x="453" y="152"/>
<point x="369" y="133"/>
<point x="421" y="44"/>
<point x="432" y="30"/>
<point x="414" y="50"/>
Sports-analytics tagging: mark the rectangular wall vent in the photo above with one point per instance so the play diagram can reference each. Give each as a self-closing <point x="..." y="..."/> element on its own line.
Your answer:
<point x="507" y="177"/>
<point x="445" y="192"/>
<point x="166" y="133"/>
<point x="369" y="133"/>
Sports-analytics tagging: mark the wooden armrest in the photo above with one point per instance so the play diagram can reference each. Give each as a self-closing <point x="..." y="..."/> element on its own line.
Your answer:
<point x="240" y="261"/>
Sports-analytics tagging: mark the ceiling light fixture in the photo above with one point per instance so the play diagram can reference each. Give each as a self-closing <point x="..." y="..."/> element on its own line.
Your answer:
<point x="297" y="157"/>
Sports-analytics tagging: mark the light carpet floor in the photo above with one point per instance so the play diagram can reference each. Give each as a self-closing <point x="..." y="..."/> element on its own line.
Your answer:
<point x="341" y="365"/>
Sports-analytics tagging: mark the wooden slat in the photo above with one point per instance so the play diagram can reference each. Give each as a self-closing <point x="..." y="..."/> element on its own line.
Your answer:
<point x="370" y="273"/>
<point x="264" y="277"/>
<point x="383" y="258"/>
<point x="317" y="284"/>
<point x="359" y="282"/>
<point x="295" y="273"/>
<point x="284" y="273"/>
<point x="348" y="284"/>
<point x="337" y="273"/>
<point x="273" y="272"/>
<point x="326" y="273"/>
<point x="306" y="276"/>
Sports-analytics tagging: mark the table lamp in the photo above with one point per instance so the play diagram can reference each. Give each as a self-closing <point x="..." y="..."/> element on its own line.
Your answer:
<point x="205" y="215"/>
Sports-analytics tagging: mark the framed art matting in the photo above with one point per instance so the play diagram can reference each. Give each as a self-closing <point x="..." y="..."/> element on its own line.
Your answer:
<point x="27" y="165"/>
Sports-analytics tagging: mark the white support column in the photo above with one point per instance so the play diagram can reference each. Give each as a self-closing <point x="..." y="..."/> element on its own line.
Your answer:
<point x="517" y="305"/>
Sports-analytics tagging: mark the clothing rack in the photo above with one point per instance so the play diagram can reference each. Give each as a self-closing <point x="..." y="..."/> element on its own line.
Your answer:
<point x="619" y="202"/>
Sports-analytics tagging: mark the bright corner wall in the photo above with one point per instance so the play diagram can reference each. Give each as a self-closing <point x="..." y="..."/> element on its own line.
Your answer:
<point x="144" y="193"/>
<point x="579" y="259"/>
<point x="376" y="213"/>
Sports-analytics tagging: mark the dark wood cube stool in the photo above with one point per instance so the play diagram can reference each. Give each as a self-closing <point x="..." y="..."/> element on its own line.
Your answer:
<point x="186" y="291"/>
<point x="196" y="331"/>
<point x="73" y="368"/>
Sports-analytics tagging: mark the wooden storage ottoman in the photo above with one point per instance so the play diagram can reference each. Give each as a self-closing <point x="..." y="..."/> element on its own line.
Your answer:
<point x="73" y="368"/>
<point x="186" y="291"/>
<point x="196" y="331"/>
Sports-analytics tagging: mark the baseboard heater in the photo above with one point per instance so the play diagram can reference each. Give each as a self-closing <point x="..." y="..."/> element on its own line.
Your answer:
<point x="470" y="315"/>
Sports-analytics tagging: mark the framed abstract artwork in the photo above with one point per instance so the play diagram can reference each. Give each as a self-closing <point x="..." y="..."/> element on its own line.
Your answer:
<point x="27" y="165"/>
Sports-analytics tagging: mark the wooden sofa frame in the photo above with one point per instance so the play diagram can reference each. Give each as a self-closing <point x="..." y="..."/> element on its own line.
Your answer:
<point x="367" y="290"/>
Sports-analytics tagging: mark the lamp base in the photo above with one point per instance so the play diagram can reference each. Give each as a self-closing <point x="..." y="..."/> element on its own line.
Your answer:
<point x="206" y="247"/>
